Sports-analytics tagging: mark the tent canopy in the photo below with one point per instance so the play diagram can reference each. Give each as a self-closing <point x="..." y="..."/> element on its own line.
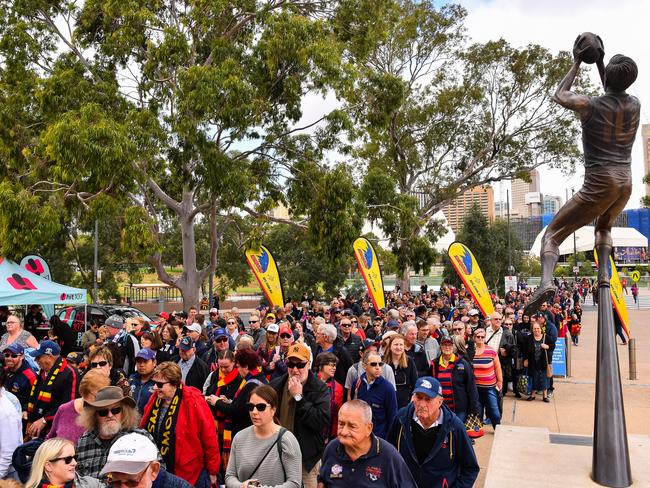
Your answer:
<point x="622" y="237"/>
<point x="20" y="287"/>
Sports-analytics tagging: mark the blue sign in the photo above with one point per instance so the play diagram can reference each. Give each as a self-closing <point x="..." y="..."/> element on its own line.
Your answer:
<point x="559" y="358"/>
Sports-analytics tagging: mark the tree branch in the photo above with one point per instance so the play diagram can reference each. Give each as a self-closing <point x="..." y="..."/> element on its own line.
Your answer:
<point x="302" y="224"/>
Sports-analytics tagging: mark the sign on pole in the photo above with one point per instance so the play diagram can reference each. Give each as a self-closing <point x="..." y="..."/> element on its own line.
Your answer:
<point x="511" y="283"/>
<point x="635" y="275"/>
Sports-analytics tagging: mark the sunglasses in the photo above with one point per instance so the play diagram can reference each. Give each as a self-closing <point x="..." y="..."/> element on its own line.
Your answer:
<point x="160" y="384"/>
<point x="479" y="337"/>
<point x="253" y="321"/>
<point x="65" y="459"/>
<point x="221" y="339"/>
<point x="98" y="364"/>
<point x="292" y="365"/>
<point x="354" y="322"/>
<point x="374" y="364"/>
<point x="346" y="325"/>
<point x="285" y="336"/>
<point x="259" y="406"/>
<point x="232" y="323"/>
<point x="11" y="355"/>
<point x="104" y="412"/>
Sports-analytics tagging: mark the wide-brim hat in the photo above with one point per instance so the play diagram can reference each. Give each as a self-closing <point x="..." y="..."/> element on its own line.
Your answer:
<point x="109" y="395"/>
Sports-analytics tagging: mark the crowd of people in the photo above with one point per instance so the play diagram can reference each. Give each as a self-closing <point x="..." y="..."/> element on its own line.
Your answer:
<point x="309" y="394"/>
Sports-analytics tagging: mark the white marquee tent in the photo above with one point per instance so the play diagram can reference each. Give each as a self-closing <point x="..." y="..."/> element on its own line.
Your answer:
<point x="622" y="237"/>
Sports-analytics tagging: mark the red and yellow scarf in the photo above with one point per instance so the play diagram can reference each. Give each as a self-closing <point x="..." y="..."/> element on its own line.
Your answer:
<point x="45" y="393"/>
<point x="223" y="422"/>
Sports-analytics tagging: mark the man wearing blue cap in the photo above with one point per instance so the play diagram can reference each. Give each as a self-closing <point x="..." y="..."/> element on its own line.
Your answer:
<point x="56" y="384"/>
<point x="193" y="369"/>
<point x="20" y="377"/>
<point x="433" y="441"/>
<point x="142" y="385"/>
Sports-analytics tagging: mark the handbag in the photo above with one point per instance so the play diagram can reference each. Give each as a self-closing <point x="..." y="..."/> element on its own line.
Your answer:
<point x="522" y="383"/>
<point x="549" y="366"/>
<point x="474" y="426"/>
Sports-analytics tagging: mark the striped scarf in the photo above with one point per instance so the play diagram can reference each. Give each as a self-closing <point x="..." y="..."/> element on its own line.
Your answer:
<point x="166" y="438"/>
<point x="223" y="421"/>
<point x="445" y="379"/>
<point x="45" y="392"/>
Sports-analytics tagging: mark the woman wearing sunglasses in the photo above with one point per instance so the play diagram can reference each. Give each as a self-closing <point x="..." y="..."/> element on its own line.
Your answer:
<point x="101" y="359"/>
<point x="181" y="423"/>
<point x="54" y="466"/>
<point x="264" y="454"/>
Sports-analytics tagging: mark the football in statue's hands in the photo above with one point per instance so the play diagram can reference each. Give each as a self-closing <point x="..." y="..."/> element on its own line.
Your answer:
<point x="588" y="48"/>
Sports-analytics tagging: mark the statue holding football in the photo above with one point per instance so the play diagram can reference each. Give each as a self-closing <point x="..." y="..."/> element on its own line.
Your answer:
<point x="609" y="125"/>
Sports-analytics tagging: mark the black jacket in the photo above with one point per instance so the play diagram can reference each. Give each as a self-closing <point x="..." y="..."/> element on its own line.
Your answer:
<point x="197" y="374"/>
<point x="312" y="417"/>
<point x="345" y="361"/>
<point x="405" y="379"/>
<point x="237" y="410"/>
<point x="529" y="353"/>
<point x="463" y="384"/>
<point x="353" y="346"/>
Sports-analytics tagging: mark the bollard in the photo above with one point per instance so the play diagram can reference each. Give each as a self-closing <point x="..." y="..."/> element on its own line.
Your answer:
<point x="631" y="344"/>
<point x="568" y="343"/>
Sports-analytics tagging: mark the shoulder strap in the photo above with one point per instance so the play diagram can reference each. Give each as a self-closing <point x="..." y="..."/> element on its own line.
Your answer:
<point x="265" y="455"/>
<point x="279" y="444"/>
<point x="488" y="341"/>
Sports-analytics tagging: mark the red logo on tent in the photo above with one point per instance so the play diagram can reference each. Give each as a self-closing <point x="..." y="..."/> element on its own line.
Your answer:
<point x="62" y="297"/>
<point x="20" y="283"/>
<point x="34" y="266"/>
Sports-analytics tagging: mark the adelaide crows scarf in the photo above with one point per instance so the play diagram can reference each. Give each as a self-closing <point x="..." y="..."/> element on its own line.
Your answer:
<point x="39" y="403"/>
<point x="166" y="438"/>
<point x="224" y="422"/>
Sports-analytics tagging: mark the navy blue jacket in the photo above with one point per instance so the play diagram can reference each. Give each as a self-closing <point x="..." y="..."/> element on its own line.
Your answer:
<point x="380" y="467"/>
<point x="451" y="463"/>
<point x="141" y="392"/>
<point x="382" y="398"/>
<point x="168" y="480"/>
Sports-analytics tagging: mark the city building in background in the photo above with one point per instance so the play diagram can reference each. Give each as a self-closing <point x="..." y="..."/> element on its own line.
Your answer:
<point x="551" y="204"/>
<point x="457" y="209"/>
<point x="525" y="196"/>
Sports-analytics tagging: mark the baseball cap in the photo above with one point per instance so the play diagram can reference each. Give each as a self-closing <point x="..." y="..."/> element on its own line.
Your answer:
<point x="299" y="351"/>
<point x="146" y="354"/>
<point x="186" y="343"/>
<point x="220" y="332"/>
<point x="270" y="315"/>
<point x="392" y="324"/>
<point x="446" y="340"/>
<point x="193" y="328"/>
<point x="115" y="321"/>
<point x="130" y="454"/>
<point x="163" y="315"/>
<point x="75" y="358"/>
<point x="285" y="330"/>
<point x="15" y="348"/>
<point x="273" y="328"/>
<point x="429" y="386"/>
<point x="366" y="343"/>
<point x="387" y="334"/>
<point x="214" y="310"/>
<point x="46" y="347"/>
<point x="472" y="312"/>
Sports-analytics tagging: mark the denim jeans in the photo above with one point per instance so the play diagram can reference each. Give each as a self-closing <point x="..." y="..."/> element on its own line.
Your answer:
<point x="489" y="403"/>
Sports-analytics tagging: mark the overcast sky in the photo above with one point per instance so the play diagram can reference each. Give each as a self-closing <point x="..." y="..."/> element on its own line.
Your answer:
<point x="623" y="26"/>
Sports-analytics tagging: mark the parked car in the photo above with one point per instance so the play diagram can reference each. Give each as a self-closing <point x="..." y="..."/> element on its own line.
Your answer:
<point x="75" y="317"/>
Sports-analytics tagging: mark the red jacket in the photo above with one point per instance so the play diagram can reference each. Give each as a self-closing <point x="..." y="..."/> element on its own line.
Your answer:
<point x="196" y="436"/>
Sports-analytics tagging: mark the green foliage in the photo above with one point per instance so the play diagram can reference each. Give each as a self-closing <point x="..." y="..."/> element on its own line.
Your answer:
<point x="585" y="268"/>
<point x="160" y="112"/>
<point x="489" y="244"/>
<point x="303" y="268"/>
<point x="24" y="224"/>
<point x="530" y="266"/>
<point x="434" y="117"/>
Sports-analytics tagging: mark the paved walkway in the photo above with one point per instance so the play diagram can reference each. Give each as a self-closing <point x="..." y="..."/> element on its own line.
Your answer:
<point x="572" y="408"/>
